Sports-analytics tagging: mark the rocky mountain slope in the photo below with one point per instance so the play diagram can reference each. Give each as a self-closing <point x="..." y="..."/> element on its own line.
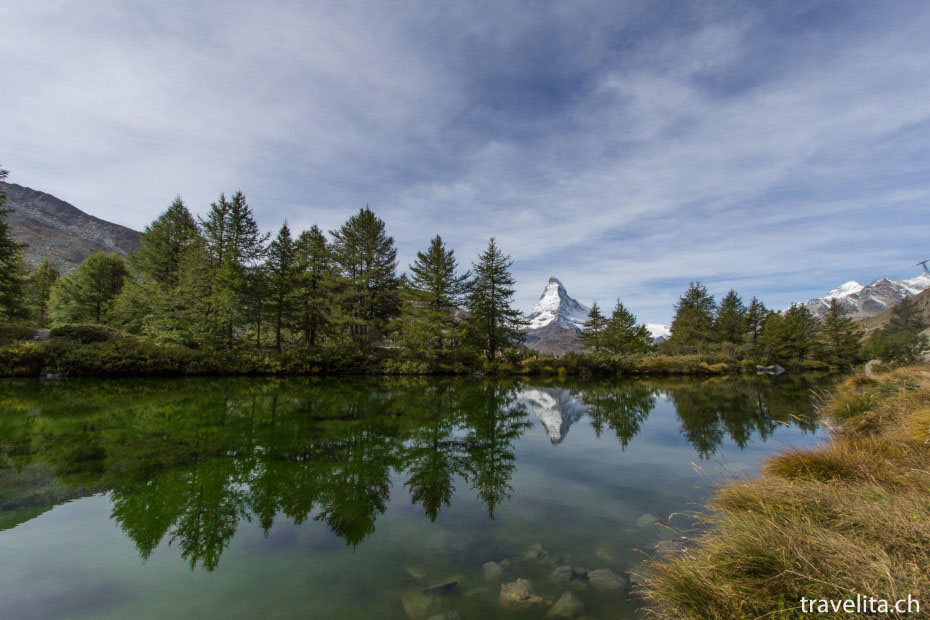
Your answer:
<point x="557" y="320"/>
<point x="60" y="232"/>
<point x="870" y="300"/>
<point x="878" y="321"/>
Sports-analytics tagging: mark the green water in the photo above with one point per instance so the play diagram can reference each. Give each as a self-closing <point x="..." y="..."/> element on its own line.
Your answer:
<point x="345" y="498"/>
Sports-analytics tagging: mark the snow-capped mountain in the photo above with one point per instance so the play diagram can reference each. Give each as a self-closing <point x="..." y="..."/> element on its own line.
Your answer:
<point x="556" y="305"/>
<point x="659" y="333"/>
<point x="556" y="408"/>
<point x="557" y="319"/>
<point x="870" y="300"/>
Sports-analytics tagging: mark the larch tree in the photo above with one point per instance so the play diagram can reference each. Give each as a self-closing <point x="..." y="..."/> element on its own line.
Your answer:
<point x="693" y="323"/>
<point x="838" y="338"/>
<point x="432" y="293"/>
<point x="12" y="267"/>
<point x="623" y="335"/>
<point x="281" y="278"/>
<point x="730" y="320"/>
<point x="495" y="322"/>
<point x="315" y="282"/>
<point x="592" y="335"/>
<point x="163" y="242"/>
<point x="39" y="291"/>
<point x="87" y="294"/>
<point x="368" y="293"/>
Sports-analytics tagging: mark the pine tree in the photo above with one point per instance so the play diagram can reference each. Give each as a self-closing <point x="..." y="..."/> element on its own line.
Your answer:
<point x="39" y="290"/>
<point x="12" y="267"/>
<point x="623" y="335"/>
<point x="592" y="335"/>
<point x="87" y="294"/>
<point x="163" y="242"/>
<point x="368" y="295"/>
<point x="838" y="338"/>
<point x="495" y="322"/>
<point x="432" y="294"/>
<point x="281" y="274"/>
<point x="315" y="281"/>
<point x="692" y="326"/>
<point x="731" y="320"/>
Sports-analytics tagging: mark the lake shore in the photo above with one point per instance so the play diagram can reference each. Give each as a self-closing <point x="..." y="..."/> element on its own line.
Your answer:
<point x="842" y="520"/>
<point x="131" y="357"/>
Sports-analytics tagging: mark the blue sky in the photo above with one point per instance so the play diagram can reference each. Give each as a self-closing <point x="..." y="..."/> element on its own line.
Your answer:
<point x="780" y="148"/>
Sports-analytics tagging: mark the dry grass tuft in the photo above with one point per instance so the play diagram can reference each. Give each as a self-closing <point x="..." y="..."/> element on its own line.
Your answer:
<point x="851" y="516"/>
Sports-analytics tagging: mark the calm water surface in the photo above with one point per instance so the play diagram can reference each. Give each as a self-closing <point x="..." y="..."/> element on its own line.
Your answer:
<point x="345" y="498"/>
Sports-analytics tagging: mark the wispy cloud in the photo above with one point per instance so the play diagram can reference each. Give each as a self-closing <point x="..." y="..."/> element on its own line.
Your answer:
<point x="780" y="149"/>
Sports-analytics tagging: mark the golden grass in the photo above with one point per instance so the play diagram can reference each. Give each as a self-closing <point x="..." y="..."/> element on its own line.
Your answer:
<point x="851" y="516"/>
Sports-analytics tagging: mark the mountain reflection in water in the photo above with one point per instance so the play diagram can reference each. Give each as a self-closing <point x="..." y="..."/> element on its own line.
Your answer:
<point x="188" y="461"/>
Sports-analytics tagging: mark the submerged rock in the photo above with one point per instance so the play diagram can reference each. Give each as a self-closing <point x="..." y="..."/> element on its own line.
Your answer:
<point x="417" y="605"/>
<point x="605" y="553"/>
<point x="448" y="614"/>
<point x="568" y="606"/>
<point x="566" y="573"/>
<point x="493" y="571"/>
<point x="562" y="574"/>
<point x="534" y="552"/>
<point x="668" y="547"/>
<point x="606" y="580"/>
<point x="416" y="574"/>
<point x="519" y="594"/>
<point x="646" y="520"/>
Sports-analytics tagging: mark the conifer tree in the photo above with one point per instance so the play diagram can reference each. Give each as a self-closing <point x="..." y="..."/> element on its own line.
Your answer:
<point x="731" y="321"/>
<point x="623" y="335"/>
<point x="495" y="322"/>
<point x="12" y="267"/>
<point x="281" y="274"/>
<point x="315" y="281"/>
<point x="692" y="326"/>
<point x="755" y="320"/>
<point x="899" y="341"/>
<point x="39" y="290"/>
<point x="838" y="338"/>
<point x="163" y="242"/>
<point x="87" y="294"/>
<point x="368" y="294"/>
<point x="789" y="338"/>
<point x="432" y="293"/>
<point x="592" y="335"/>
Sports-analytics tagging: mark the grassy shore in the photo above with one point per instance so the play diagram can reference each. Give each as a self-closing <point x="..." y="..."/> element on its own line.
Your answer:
<point x="848" y="517"/>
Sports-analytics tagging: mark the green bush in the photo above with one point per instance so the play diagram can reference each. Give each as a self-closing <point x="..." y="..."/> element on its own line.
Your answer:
<point x="84" y="334"/>
<point x="15" y="333"/>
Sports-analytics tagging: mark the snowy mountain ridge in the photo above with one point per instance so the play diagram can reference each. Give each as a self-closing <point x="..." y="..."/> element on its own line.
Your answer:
<point x="863" y="301"/>
<point x="556" y="305"/>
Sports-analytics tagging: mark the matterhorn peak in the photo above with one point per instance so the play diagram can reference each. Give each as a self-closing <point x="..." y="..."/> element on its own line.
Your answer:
<point x="555" y="305"/>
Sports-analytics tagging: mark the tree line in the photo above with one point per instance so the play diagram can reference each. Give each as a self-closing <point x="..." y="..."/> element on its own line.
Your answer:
<point x="217" y="281"/>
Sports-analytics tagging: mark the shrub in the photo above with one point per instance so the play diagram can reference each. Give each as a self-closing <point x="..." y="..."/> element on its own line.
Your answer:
<point x="84" y="334"/>
<point x="15" y="333"/>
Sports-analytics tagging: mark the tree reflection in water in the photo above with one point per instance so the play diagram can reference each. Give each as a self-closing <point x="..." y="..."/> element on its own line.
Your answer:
<point x="187" y="461"/>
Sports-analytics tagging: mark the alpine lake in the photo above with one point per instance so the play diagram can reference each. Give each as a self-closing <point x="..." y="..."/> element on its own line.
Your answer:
<point x="366" y="497"/>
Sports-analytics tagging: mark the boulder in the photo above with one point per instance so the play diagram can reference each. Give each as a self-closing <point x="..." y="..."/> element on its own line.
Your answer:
<point x="493" y="572"/>
<point x="646" y="520"/>
<point x="417" y="605"/>
<point x="568" y="606"/>
<point x="519" y="594"/>
<point x="448" y="614"/>
<point x="606" y="580"/>
<point x="562" y="574"/>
